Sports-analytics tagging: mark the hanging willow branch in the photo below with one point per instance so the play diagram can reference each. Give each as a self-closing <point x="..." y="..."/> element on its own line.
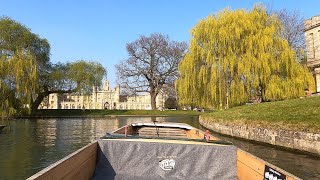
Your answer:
<point x="239" y="56"/>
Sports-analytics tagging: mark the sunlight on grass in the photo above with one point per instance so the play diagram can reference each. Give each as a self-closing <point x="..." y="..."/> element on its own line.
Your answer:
<point x="296" y="114"/>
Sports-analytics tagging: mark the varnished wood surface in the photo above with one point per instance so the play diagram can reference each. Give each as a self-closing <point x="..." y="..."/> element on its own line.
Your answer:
<point x="250" y="167"/>
<point x="79" y="165"/>
<point x="162" y="132"/>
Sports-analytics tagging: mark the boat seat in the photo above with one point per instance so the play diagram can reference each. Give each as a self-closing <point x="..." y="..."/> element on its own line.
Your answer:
<point x="161" y="132"/>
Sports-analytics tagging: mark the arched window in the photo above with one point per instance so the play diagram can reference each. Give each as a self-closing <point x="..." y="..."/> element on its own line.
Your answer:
<point x="106" y="105"/>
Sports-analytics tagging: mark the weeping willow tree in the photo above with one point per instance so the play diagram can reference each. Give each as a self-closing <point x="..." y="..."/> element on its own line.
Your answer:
<point x="22" y="54"/>
<point x="236" y="56"/>
<point x="18" y="76"/>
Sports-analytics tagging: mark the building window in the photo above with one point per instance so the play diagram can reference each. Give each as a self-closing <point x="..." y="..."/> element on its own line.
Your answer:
<point x="312" y="45"/>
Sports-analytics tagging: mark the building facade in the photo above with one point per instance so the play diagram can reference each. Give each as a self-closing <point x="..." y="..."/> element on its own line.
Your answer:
<point x="104" y="98"/>
<point x="312" y="35"/>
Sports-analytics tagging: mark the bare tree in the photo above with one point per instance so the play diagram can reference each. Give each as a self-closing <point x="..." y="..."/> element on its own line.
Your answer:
<point x="293" y="26"/>
<point x="152" y="63"/>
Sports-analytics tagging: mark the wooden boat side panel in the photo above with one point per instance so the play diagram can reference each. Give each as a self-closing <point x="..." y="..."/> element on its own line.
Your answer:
<point x="195" y="134"/>
<point x="79" y="165"/>
<point x="84" y="171"/>
<point x="250" y="167"/>
<point x="198" y="134"/>
<point x="245" y="172"/>
<point x="122" y="130"/>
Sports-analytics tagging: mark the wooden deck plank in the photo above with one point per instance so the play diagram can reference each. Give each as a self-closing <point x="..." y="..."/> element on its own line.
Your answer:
<point x="160" y="130"/>
<point x="152" y="132"/>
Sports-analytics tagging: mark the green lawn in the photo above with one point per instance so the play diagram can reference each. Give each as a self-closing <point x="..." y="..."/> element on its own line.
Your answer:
<point x="297" y="114"/>
<point x="76" y="112"/>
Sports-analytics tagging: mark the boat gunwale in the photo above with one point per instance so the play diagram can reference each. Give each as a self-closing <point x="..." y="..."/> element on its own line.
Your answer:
<point x="59" y="162"/>
<point x="145" y="138"/>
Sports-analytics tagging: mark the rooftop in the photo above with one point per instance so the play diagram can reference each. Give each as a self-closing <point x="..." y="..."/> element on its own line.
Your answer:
<point x="312" y="23"/>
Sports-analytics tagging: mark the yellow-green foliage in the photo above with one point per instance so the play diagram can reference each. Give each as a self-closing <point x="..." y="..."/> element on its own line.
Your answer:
<point x="239" y="54"/>
<point x="18" y="75"/>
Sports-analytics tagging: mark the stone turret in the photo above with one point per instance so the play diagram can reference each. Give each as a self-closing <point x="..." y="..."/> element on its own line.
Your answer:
<point x="312" y="35"/>
<point x="106" y="85"/>
<point x="94" y="88"/>
<point x="118" y="88"/>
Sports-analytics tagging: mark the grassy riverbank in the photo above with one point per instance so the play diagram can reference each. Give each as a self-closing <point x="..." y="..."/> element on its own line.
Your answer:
<point x="298" y="114"/>
<point x="76" y="112"/>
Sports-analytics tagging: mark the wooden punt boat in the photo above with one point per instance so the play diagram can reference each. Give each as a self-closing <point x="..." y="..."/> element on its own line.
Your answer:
<point x="161" y="151"/>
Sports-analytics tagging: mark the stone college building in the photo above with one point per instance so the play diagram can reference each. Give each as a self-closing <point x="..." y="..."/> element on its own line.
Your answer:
<point x="104" y="98"/>
<point x="312" y="35"/>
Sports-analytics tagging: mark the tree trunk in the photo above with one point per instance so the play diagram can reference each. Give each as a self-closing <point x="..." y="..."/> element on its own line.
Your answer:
<point x="263" y="93"/>
<point x="35" y="104"/>
<point x="153" y="100"/>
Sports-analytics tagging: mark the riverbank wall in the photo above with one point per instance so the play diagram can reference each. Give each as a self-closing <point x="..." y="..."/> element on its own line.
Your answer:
<point x="303" y="141"/>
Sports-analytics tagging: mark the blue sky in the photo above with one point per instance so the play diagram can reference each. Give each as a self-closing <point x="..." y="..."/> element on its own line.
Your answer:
<point x="99" y="30"/>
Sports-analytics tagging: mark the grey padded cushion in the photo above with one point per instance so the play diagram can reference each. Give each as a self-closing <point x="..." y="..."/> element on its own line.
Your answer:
<point x="140" y="160"/>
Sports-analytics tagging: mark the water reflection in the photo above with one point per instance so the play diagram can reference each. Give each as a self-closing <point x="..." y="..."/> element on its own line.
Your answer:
<point x="33" y="144"/>
<point x="46" y="132"/>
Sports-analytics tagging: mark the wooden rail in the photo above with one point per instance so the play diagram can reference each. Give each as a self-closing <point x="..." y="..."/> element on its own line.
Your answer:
<point x="79" y="165"/>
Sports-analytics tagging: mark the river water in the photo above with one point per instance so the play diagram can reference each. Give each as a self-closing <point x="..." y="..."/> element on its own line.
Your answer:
<point x="33" y="144"/>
